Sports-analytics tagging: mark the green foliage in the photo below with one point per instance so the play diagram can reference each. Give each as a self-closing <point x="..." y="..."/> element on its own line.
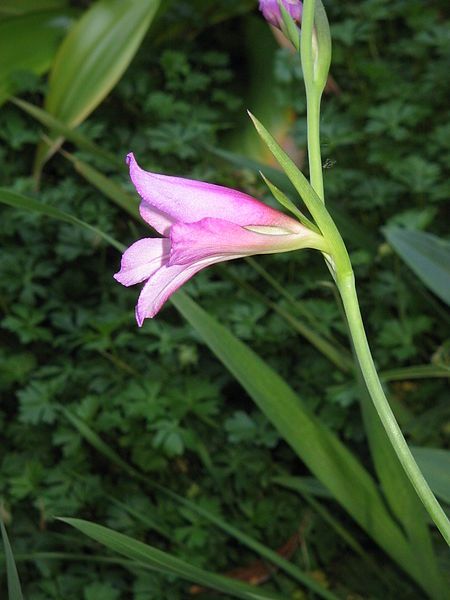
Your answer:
<point x="157" y="396"/>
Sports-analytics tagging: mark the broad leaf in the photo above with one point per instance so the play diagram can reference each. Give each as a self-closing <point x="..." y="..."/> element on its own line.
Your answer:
<point x="42" y="32"/>
<point x="93" y="57"/>
<point x="425" y="254"/>
<point x="435" y="465"/>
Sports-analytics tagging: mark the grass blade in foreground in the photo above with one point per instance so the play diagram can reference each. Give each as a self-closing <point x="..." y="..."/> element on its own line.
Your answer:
<point x="165" y="563"/>
<point x="327" y="458"/>
<point x="270" y="555"/>
<point x="30" y="204"/>
<point x="14" y="589"/>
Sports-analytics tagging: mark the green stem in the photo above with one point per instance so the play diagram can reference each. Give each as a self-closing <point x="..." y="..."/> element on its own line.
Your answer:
<point x="314" y="153"/>
<point x="351" y="306"/>
<point x="344" y="277"/>
<point x="313" y="96"/>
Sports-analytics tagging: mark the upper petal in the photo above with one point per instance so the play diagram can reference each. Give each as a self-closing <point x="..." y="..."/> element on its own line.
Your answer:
<point x="169" y="199"/>
<point x="216" y="237"/>
<point x="142" y="259"/>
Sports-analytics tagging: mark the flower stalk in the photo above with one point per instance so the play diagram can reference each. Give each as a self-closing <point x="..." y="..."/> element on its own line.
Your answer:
<point x="315" y="79"/>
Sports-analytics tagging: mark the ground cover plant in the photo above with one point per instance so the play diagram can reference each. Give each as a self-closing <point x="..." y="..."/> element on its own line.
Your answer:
<point x="146" y="432"/>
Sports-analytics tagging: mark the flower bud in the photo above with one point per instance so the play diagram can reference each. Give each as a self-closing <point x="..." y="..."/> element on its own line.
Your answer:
<point x="272" y="13"/>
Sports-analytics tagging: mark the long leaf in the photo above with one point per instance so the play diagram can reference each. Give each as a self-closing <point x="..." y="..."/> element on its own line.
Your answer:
<point x="400" y="494"/>
<point x="14" y="588"/>
<point x="93" y="57"/>
<point x="166" y="563"/>
<point x="355" y="233"/>
<point x="415" y="372"/>
<point x="65" y="131"/>
<point x="322" y="452"/>
<point x="30" y="204"/>
<point x="425" y="254"/>
<point x="96" y="441"/>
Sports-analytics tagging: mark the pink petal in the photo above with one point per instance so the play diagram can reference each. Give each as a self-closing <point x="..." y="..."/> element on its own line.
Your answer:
<point x="163" y="284"/>
<point x="142" y="259"/>
<point x="192" y="242"/>
<point x="172" y="199"/>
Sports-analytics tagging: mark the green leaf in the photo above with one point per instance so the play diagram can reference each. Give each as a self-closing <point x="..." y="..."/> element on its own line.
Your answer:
<point x="14" y="588"/>
<point x="400" y="494"/>
<point x="320" y="450"/>
<point x="96" y="441"/>
<point x="248" y="541"/>
<point x="30" y="204"/>
<point x="427" y="255"/>
<point x="351" y="229"/>
<point x="40" y="31"/>
<point x="165" y="563"/>
<point x="416" y="372"/>
<point x="93" y="57"/>
<point x="435" y="465"/>
<point x="287" y="203"/>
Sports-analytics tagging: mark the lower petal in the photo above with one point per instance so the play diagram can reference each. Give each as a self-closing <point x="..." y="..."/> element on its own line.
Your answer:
<point x="164" y="282"/>
<point x="142" y="259"/>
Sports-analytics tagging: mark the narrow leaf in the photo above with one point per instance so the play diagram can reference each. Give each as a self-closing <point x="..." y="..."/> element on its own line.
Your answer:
<point x="65" y="131"/>
<point x="166" y="563"/>
<point x="287" y="203"/>
<point x="322" y="452"/>
<point x="30" y="204"/>
<point x="14" y="588"/>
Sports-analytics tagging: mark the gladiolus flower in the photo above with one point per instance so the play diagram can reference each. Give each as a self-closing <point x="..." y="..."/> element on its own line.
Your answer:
<point x="271" y="11"/>
<point x="201" y="224"/>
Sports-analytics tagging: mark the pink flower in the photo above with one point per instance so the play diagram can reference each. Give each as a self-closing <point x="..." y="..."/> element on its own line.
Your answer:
<point x="201" y="224"/>
<point x="271" y="11"/>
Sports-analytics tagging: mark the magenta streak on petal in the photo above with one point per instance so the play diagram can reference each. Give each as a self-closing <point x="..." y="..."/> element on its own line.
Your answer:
<point x="191" y="242"/>
<point x="172" y="199"/>
<point x="142" y="259"/>
<point x="165" y="282"/>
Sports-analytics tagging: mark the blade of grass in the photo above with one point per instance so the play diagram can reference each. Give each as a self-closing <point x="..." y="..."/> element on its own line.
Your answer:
<point x="166" y="563"/>
<point x="296" y="484"/>
<point x="337" y="355"/>
<point x="416" y="372"/>
<point x="60" y="128"/>
<point x="14" y="587"/>
<point x="30" y="204"/>
<point x="96" y="441"/>
<point x="321" y="451"/>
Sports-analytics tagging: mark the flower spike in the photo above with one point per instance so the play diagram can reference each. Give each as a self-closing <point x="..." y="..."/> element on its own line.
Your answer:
<point x="201" y="224"/>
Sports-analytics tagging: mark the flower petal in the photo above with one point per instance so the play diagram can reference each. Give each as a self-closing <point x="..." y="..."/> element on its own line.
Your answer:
<point x="163" y="283"/>
<point x="142" y="259"/>
<point x="192" y="242"/>
<point x="168" y="200"/>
